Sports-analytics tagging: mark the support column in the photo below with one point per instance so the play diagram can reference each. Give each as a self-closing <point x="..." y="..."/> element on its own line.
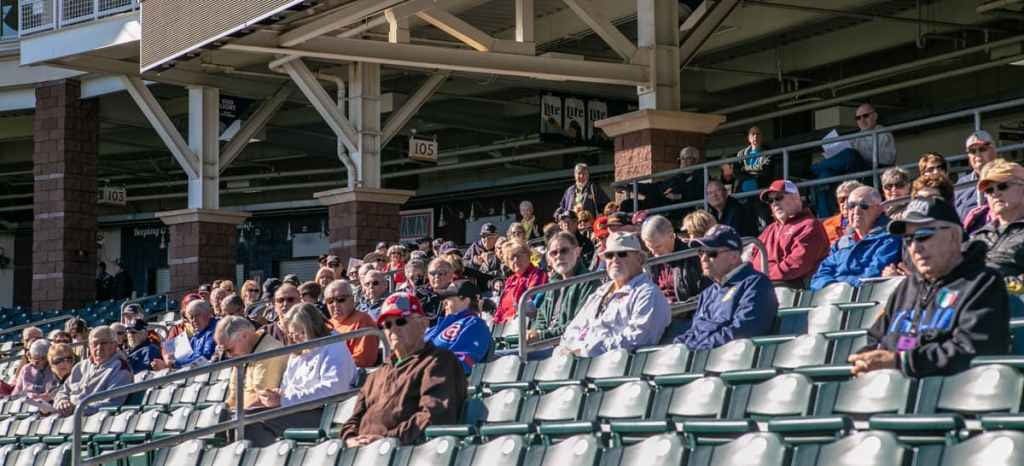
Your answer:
<point x="202" y="246"/>
<point x="658" y="32"/>
<point x="364" y="111"/>
<point x="204" y="140"/>
<point x="65" y="133"/>
<point x="649" y="141"/>
<point x="359" y="218"/>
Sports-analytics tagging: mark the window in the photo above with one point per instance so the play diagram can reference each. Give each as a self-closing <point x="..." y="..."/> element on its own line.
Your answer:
<point x="8" y="19"/>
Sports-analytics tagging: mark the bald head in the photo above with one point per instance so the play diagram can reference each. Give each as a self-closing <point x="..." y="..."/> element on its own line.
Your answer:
<point x="867" y="117"/>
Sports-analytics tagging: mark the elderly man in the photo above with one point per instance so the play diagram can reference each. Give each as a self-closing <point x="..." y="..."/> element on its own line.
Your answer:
<point x="627" y="312"/>
<point x="439" y="277"/>
<point x="837" y="225"/>
<point x="973" y="212"/>
<point x="285" y="297"/>
<point x="233" y="305"/>
<point x="583" y="192"/>
<point x="740" y="303"/>
<point x="864" y="252"/>
<point x="1003" y="185"/>
<point x="796" y="241"/>
<point x="952" y="309"/>
<point x="481" y="255"/>
<point x="102" y="370"/>
<point x="421" y="385"/>
<point x="141" y="351"/>
<point x="341" y="305"/>
<point x="375" y="289"/>
<point x="687" y="186"/>
<point x="679" y="280"/>
<point x="858" y="157"/>
<point x="569" y="223"/>
<point x="729" y="211"/>
<point x="199" y="325"/>
<point x="239" y="338"/>
<point x="559" y="306"/>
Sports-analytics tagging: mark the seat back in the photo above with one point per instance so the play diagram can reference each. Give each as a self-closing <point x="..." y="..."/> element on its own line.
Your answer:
<point x="558" y="366"/>
<point x="782" y="395"/>
<point x="275" y="454"/>
<point x="735" y="355"/>
<point x="502" y="406"/>
<point x="877" y="292"/>
<point x="835" y="293"/>
<point x="612" y="363"/>
<point x="702" y="398"/>
<point x="58" y="456"/>
<point x="578" y="450"/>
<point x="562" y="404"/>
<point x="344" y="410"/>
<point x="660" y="450"/>
<point x="216" y="393"/>
<point x="755" y="449"/>
<point x="631" y="400"/>
<point x="502" y="370"/>
<point x="184" y="454"/>
<point x="229" y="455"/>
<point x="876" y="392"/>
<point x="668" y="359"/>
<point x="824" y="318"/>
<point x="376" y="453"/>
<point x="28" y="456"/>
<point x="437" y="452"/>
<point x="325" y="453"/>
<point x="506" y="450"/>
<point x="982" y="389"/>
<point x="804" y="350"/>
<point x="870" y="448"/>
<point x="999" y="448"/>
<point x="786" y="296"/>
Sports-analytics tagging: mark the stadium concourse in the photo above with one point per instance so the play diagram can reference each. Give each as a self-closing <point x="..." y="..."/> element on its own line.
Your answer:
<point x="511" y="232"/>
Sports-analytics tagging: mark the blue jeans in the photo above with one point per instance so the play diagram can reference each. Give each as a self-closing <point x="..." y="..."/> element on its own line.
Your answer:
<point x="847" y="161"/>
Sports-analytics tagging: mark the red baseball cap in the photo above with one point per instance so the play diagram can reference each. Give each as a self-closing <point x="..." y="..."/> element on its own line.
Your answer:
<point x="780" y="186"/>
<point x="400" y="305"/>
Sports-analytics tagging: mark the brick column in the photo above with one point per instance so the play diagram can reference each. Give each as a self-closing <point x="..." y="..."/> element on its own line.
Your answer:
<point x="359" y="218"/>
<point x="65" y="135"/>
<point x="649" y="141"/>
<point x="202" y="246"/>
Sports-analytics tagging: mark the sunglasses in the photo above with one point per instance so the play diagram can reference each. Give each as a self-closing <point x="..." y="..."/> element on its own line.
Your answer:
<point x="339" y="300"/>
<point x="709" y="253"/>
<point x="438" y="273"/>
<point x="284" y="300"/>
<point x="559" y="252"/>
<point x="922" y="234"/>
<point x="979" y="149"/>
<point x="252" y="290"/>
<point x="992" y="188"/>
<point x="399" y="322"/>
<point x="334" y="264"/>
<point x="608" y="256"/>
<point x="859" y="205"/>
<point x="891" y="186"/>
<point x="373" y="283"/>
<point x="68" y="360"/>
<point x="863" y="116"/>
<point x="773" y="199"/>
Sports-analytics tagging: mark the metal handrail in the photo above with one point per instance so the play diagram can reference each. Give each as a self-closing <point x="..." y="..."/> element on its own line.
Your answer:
<point x="974" y="113"/>
<point x="49" y="320"/>
<point x="241" y="418"/>
<point x="591" y="276"/>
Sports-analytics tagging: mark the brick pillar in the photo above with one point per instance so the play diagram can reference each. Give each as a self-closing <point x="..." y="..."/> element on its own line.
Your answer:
<point x="65" y="135"/>
<point x="360" y="218"/>
<point x="649" y="141"/>
<point x="202" y="246"/>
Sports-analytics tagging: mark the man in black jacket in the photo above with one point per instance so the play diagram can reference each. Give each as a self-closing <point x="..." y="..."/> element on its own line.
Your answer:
<point x="1002" y="183"/>
<point x="747" y="220"/>
<point x="951" y="309"/>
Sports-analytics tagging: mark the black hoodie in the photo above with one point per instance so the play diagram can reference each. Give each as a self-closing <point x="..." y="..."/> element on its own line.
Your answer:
<point x="943" y="325"/>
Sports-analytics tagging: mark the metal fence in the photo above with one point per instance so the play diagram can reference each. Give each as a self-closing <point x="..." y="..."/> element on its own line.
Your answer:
<point x="44" y="15"/>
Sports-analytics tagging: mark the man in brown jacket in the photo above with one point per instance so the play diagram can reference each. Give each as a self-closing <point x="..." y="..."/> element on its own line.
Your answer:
<point x="421" y="384"/>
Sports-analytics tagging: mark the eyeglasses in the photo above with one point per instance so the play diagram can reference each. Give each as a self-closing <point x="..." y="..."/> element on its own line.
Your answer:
<point x="891" y="186"/>
<point x="438" y="273"/>
<point x="608" y="256"/>
<point x="399" y="322"/>
<point x="68" y="360"/>
<point x="773" y="199"/>
<point x="979" y="149"/>
<point x="286" y="299"/>
<point x="859" y="205"/>
<point x="921" y="235"/>
<point x="559" y="252"/>
<point x="102" y="342"/>
<point x="992" y="188"/>
<point x="339" y="299"/>
<point x="334" y="264"/>
<point x="709" y="253"/>
<point x="863" y="116"/>
<point x="934" y="169"/>
<point x="252" y="290"/>
<point x="373" y="283"/>
<point x="121" y="334"/>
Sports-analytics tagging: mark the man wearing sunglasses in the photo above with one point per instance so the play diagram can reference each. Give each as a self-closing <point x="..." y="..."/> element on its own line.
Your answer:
<point x="421" y="385"/>
<point x="629" y="311"/>
<point x="740" y="303"/>
<point x="375" y="289"/>
<point x="559" y="306"/>
<point x="341" y="305"/>
<point x="1002" y="183"/>
<point x="796" y="242"/>
<point x="864" y="252"/>
<point x="951" y="309"/>
<point x="981" y="150"/>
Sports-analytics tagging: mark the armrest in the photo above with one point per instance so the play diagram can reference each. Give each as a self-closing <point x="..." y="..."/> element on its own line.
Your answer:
<point x="1003" y="422"/>
<point x="504" y="428"/>
<point x="642" y="427"/>
<point x="453" y="430"/>
<point x="676" y="379"/>
<point x="826" y="372"/>
<point x="612" y="382"/>
<point x="567" y="428"/>
<point x="1011" y="360"/>
<point x="917" y="423"/>
<point x="856" y="306"/>
<point x="712" y="427"/>
<point x="746" y="376"/>
<point x="807" y="425"/>
<point x="771" y="339"/>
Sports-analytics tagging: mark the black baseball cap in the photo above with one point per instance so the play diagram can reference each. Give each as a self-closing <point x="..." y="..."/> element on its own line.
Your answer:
<point x="139" y="326"/>
<point x="922" y="210"/>
<point x="460" y="288"/>
<point x="563" y="214"/>
<point x="488" y="229"/>
<point x="719" y="236"/>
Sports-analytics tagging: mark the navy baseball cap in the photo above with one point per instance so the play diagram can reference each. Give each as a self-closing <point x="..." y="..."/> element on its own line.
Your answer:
<point x="922" y="210"/>
<point x="488" y="229"/>
<point x="718" y="237"/>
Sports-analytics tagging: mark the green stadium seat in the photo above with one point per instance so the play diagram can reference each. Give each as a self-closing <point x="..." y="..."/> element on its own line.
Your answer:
<point x="565" y="403"/>
<point x="503" y="370"/>
<point x="752" y="449"/>
<point x="507" y="450"/>
<point x="817" y="319"/>
<point x="500" y="407"/>
<point x="735" y="355"/>
<point x="835" y="293"/>
<point x="28" y="456"/>
<point x="630" y="401"/>
<point x="275" y="454"/>
<point x="787" y="297"/>
<point x="788" y="352"/>
<point x="188" y="453"/>
<point x="331" y="420"/>
<point x="870" y="448"/>
<point x="1000" y="448"/>
<point x="380" y="451"/>
<point x="871" y="299"/>
<point x="552" y="371"/>
<point x="660" y="450"/>
<point x="325" y="453"/>
<point x="578" y="450"/>
<point x="885" y="391"/>
<point x="781" y="395"/>
<point x="440" y="451"/>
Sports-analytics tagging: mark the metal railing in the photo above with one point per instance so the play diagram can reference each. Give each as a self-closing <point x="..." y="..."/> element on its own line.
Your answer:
<point x="241" y="417"/>
<point x="522" y="306"/>
<point x="44" y="15"/>
<point x="974" y="113"/>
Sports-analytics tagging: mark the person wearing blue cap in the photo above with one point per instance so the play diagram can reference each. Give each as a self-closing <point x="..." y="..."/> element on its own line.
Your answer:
<point x="461" y="330"/>
<point x="740" y="303"/>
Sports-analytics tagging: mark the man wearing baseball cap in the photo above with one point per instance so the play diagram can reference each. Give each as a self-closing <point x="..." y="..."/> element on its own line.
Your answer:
<point x="481" y="254"/>
<point x="740" y="303"/>
<point x="949" y="310"/>
<point x="629" y="311"/>
<point x="421" y="385"/>
<point x="461" y="330"/>
<point x="1002" y="183"/>
<point x="981" y="149"/>
<point x="568" y="222"/>
<point x="796" y="242"/>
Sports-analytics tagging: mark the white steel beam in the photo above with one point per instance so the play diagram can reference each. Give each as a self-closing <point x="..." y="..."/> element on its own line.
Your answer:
<point x="429" y="57"/>
<point x="470" y="35"/>
<point x="604" y="28"/>
<point x="702" y="31"/>
<point x="401" y="117"/>
<point x="181" y="151"/>
<point x="364" y="109"/>
<point x="345" y="15"/>
<point x="256" y="123"/>
<point x="398" y="28"/>
<point x="411" y="7"/>
<point x="203" y="138"/>
<point x="525" y="15"/>
<point x="322" y="102"/>
<point x="658" y="33"/>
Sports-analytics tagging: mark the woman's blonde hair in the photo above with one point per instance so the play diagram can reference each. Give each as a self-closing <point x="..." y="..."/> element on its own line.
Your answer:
<point x="698" y="222"/>
<point x="309" y="318"/>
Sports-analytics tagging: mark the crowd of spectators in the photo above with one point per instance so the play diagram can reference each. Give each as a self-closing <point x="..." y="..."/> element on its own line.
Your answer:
<point x="960" y="247"/>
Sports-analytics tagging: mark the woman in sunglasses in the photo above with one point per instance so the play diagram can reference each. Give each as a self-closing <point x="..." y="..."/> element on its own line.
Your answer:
<point x="1002" y="183"/>
<point x="62" y="359"/>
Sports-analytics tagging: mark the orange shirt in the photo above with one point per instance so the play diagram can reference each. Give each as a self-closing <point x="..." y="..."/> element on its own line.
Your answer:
<point x="833" y="228"/>
<point x="364" y="350"/>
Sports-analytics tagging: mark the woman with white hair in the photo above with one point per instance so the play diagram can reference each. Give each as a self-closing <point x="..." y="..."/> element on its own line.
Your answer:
<point x="35" y="380"/>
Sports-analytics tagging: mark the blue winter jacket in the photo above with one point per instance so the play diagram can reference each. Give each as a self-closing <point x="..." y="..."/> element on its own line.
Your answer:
<point x="463" y="333"/>
<point x="849" y="261"/>
<point x="141" y="357"/>
<point x="743" y="306"/>
<point x="202" y="344"/>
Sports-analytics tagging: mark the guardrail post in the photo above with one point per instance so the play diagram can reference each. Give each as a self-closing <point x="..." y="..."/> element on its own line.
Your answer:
<point x="705" y="187"/>
<point x="785" y="164"/>
<point x="874" y="160"/>
<point x="76" y="435"/>
<point x="95" y="9"/>
<point x="636" y="198"/>
<point x="977" y="120"/>
<point x="240" y="402"/>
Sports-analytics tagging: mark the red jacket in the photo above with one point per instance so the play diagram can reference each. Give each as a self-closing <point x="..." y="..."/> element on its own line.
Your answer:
<point x="515" y="286"/>
<point x="794" y="248"/>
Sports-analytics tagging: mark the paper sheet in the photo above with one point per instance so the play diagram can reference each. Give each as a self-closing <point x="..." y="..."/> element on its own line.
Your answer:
<point x="182" y="347"/>
<point x="834" y="148"/>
